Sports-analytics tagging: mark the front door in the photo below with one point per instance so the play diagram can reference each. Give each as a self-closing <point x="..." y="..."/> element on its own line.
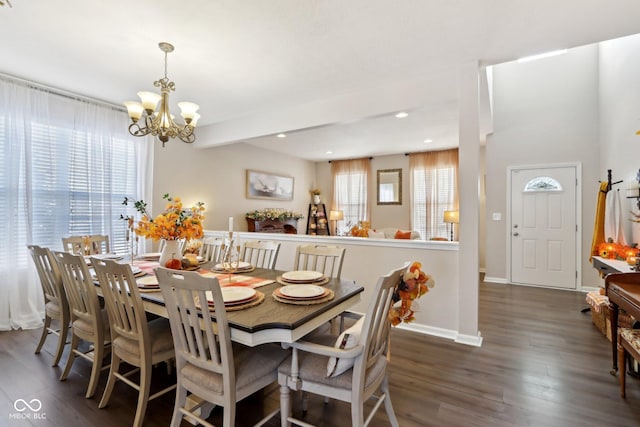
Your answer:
<point x="544" y="226"/>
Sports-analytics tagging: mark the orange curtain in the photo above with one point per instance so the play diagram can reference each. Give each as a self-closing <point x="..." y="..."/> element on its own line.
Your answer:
<point x="598" y="228"/>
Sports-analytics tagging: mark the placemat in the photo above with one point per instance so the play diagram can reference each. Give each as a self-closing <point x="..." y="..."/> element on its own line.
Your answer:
<point x="245" y="270"/>
<point x="326" y="298"/>
<point x="257" y="300"/>
<point x="238" y="279"/>
<point x="319" y="283"/>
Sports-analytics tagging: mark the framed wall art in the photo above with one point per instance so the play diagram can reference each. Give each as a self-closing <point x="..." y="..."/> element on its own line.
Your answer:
<point x="266" y="185"/>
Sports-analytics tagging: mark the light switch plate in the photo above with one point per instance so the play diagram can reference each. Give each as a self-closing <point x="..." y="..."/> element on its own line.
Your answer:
<point x="496" y="216"/>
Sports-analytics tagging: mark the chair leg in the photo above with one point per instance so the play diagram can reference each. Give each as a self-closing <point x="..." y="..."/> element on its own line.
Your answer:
<point x="143" y="396"/>
<point x="75" y="340"/>
<point x="96" y="368"/>
<point x="45" y="332"/>
<point x="622" y="355"/>
<point x="387" y="404"/>
<point x="229" y="415"/>
<point x="285" y="406"/>
<point x="111" y="381"/>
<point x="62" y="340"/>
<point x="357" y="414"/>
<point x="181" y="400"/>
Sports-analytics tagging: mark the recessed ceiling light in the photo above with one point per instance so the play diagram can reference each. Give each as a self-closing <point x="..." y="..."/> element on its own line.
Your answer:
<point x="428" y="141"/>
<point x="281" y="135"/>
<point x="542" y="55"/>
<point x="329" y="152"/>
<point x="402" y="115"/>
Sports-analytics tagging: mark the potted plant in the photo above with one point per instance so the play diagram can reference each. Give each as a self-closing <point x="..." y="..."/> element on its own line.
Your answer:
<point x="315" y="193"/>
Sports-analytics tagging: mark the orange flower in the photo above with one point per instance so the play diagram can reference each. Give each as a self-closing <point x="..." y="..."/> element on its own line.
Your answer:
<point x="175" y="222"/>
<point x="413" y="285"/>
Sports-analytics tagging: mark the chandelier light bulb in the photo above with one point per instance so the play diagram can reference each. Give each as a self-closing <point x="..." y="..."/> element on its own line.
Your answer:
<point x="188" y="110"/>
<point x="134" y="109"/>
<point x="149" y="101"/>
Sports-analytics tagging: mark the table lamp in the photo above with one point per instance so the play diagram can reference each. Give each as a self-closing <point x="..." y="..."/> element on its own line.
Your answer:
<point x="336" y="216"/>
<point x="451" y="217"/>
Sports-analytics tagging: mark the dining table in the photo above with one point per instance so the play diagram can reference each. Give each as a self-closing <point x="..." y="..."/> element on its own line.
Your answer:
<point x="270" y="321"/>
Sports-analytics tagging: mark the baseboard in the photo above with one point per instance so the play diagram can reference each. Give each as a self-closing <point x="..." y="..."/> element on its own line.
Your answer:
<point x="442" y="333"/>
<point x="500" y="280"/>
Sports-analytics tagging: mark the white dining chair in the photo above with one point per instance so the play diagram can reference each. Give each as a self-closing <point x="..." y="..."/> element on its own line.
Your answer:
<point x="352" y="367"/>
<point x="206" y="363"/>
<point x="88" y="321"/>
<point x="261" y="253"/>
<point x="86" y="245"/>
<point x="134" y="340"/>
<point x="211" y="249"/>
<point x="55" y="299"/>
<point x="325" y="259"/>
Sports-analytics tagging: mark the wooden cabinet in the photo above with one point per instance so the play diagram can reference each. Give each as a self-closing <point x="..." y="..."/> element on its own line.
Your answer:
<point x="288" y="226"/>
<point x="318" y="221"/>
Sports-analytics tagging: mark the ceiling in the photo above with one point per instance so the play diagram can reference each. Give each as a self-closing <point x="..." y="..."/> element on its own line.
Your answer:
<point x="330" y="74"/>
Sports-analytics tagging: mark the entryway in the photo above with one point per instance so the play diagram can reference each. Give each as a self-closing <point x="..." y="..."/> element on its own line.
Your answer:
<point x="543" y="222"/>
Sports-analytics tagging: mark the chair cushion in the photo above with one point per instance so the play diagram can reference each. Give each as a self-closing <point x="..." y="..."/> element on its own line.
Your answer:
<point x="632" y="336"/>
<point x="85" y="329"/>
<point x="403" y="234"/>
<point x="251" y="364"/>
<point x="161" y="341"/>
<point x="52" y="309"/>
<point x="313" y="368"/>
<point x="347" y="339"/>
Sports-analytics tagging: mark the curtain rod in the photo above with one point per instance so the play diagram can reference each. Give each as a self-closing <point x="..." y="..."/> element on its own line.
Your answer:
<point x="60" y="92"/>
<point x="370" y="158"/>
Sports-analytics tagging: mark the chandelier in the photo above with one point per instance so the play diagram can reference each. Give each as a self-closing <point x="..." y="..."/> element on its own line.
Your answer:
<point x="146" y="120"/>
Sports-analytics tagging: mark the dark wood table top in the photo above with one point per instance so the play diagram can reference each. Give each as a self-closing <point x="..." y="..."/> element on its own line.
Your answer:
<point x="274" y="321"/>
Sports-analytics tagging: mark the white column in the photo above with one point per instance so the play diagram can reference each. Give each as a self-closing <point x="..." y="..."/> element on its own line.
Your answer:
<point x="469" y="173"/>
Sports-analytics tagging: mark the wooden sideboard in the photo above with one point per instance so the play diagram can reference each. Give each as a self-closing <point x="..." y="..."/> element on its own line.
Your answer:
<point x="289" y="226"/>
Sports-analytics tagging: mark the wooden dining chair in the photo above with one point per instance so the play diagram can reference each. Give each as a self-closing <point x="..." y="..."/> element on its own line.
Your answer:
<point x="206" y="363"/>
<point x="86" y="245"/>
<point x="88" y="321"/>
<point x="134" y="340"/>
<point x="211" y="249"/>
<point x="325" y="259"/>
<point x="55" y="299"/>
<point x="261" y="253"/>
<point x="350" y="367"/>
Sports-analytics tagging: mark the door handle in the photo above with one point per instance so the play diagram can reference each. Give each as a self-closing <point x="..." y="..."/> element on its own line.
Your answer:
<point x="515" y="234"/>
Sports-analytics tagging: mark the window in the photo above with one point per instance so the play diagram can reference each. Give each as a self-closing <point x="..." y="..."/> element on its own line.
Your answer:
<point x="65" y="167"/>
<point x="434" y="189"/>
<point x="350" y="186"/>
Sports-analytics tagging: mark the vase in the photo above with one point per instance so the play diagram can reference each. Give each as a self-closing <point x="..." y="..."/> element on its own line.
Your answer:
<point x="171" y="248"/>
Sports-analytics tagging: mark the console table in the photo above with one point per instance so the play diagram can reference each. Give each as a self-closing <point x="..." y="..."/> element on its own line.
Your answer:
<point x="623" y="290"/>
<point x="288" y="226"/>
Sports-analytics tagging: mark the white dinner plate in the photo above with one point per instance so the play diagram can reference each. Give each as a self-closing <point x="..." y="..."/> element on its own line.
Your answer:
<point x="150" y="255"/>
<point x="147" y="281"/>
<point x="302" y="276"/>
<point x="241" y="265"/>
<point x="107" y="256"/>
<point x="234" y="294"/>
<point x="302" y="291"/>
<point x="136" y="270"/>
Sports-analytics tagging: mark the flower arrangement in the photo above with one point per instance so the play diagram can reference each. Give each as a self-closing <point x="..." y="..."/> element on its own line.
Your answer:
<point x="617" y="251"/>
<point x="273" y="214"/>
<point x="175" y="222"/>
<point x="360" y="230"/>
<point x="413" y="284"/>
<point x="315" y="192"/>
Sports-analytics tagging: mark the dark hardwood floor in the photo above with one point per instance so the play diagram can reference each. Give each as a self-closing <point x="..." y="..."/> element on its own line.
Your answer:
<point x="542" y="363"/>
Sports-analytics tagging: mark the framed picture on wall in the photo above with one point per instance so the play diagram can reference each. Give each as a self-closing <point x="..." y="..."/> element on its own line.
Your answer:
<point x="266" y="185"/>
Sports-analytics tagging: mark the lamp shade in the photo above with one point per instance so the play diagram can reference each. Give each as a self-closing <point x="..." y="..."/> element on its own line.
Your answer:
<point x="336" y="215"/>
<point x="451" y="217"/>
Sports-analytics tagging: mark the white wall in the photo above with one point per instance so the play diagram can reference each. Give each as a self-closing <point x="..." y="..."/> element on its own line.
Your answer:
<point x="620" y="118"/>
<point x="545" y="111"/>
<point x="216" y="176"/>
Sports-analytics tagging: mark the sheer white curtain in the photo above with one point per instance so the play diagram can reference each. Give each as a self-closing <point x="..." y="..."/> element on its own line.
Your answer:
<point x="65" y="167"/>
<point x="350" y="189"/>
<point x="434" y="189"/>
